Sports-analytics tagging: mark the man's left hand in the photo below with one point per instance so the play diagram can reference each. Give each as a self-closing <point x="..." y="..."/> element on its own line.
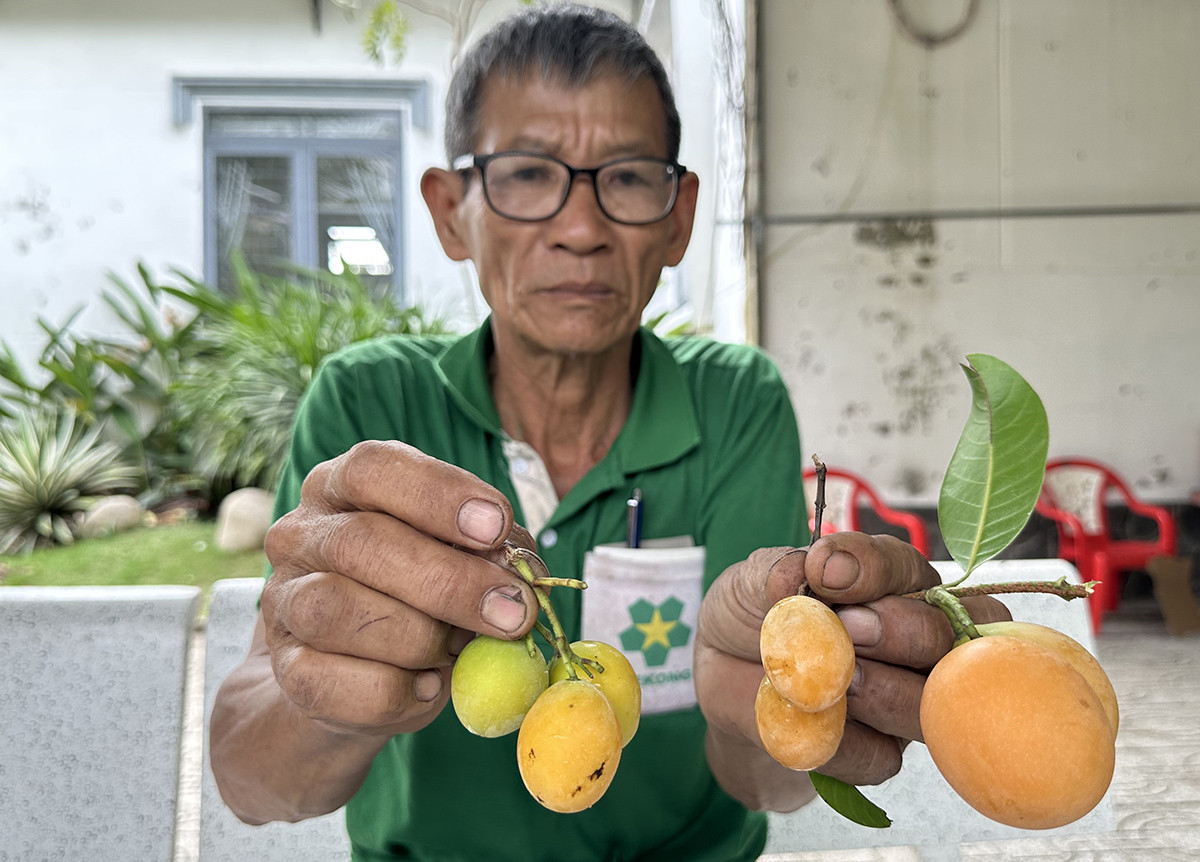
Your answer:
<point x="897" y="641"/>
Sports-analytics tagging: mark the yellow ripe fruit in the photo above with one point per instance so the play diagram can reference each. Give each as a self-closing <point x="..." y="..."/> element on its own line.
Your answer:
<point x="796" y="738"/>
<point x="806" y="652"/>
<point x="1067" y="648"/>
<point x="618" y="681"/>
<point x="1017" y="732"/>
<point x="569" y="746"/>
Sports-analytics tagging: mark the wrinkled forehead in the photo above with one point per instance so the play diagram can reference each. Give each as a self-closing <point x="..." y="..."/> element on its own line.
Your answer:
<point x="508" y="94"/>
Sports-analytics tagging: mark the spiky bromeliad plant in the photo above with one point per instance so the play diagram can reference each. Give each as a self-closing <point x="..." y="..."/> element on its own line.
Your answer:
<point x="51" y="469"/>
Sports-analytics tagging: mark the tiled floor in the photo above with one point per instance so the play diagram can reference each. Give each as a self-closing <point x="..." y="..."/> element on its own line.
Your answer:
<point x="1156" y="787"/>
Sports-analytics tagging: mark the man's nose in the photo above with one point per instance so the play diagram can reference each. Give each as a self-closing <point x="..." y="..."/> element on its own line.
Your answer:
<point x="581" y="222"/>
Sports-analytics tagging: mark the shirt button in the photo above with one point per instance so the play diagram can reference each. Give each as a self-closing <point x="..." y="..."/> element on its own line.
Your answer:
<point x="549" y="538"/>
<point x="520" y="466"/>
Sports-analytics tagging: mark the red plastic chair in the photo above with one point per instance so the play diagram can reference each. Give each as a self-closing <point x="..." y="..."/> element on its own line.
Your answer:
<point x="845" y="492"/>
<point x="1075" y="496"/>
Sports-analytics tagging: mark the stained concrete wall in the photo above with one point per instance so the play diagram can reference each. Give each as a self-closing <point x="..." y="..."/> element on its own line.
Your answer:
<point x="1075" y="120"/>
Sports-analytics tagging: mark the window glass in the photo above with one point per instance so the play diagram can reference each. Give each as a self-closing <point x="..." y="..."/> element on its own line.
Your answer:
<point x="316" y="189"/>
<point x="254" y="212"/>
<point x="356" y="216"/>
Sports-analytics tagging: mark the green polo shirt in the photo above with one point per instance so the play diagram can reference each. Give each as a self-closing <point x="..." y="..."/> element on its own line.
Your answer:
<point x="712" y="444"/>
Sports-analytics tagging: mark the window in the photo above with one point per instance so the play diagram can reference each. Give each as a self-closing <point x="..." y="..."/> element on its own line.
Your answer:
<point x="315" y="188"/>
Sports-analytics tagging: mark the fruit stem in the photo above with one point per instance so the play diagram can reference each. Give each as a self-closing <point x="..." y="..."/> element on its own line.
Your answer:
<point x="1059" y="588"/>
<point x="960" y="620"/>
<point x="818" y="499"/>
<point x="543" y="630"/>
<point x="561" y="648"/>
<point x="557" y="638"/>
<point x="559" y="582"/>
<point x="587" y="664"/>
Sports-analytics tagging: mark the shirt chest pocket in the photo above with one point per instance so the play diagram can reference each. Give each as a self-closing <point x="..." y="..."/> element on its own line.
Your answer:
<point x="646" y="601"/>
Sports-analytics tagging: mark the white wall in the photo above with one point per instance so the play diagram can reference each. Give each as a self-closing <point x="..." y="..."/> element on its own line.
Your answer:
<point x="1075" y="103"/>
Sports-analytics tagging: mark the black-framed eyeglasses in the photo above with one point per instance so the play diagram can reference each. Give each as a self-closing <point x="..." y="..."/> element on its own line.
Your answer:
<point x="526" y="186"/>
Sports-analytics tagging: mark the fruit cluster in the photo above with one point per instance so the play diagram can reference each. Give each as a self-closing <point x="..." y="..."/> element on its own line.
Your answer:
<point x="588" y="687"/>
<point x="808" y="657"/>
<point x="1019" y="718"/>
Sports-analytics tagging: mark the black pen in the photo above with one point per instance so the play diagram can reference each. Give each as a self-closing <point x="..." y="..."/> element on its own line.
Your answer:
<point x="633" y="519"/>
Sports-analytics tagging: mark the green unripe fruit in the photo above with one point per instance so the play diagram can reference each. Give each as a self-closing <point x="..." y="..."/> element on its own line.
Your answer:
<point x="495" y="682"/>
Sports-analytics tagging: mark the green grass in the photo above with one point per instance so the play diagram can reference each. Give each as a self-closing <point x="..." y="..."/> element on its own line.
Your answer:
<point x="179" y="554"/>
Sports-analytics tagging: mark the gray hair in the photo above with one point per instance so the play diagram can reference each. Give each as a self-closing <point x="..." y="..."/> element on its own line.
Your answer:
<point x="567" y="43"/>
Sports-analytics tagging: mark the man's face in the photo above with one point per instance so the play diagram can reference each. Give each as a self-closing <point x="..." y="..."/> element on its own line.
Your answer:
<point x="577" y="282"/>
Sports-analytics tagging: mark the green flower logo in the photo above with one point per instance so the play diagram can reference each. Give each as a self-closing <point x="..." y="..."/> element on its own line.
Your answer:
<point x="655" y="630"/>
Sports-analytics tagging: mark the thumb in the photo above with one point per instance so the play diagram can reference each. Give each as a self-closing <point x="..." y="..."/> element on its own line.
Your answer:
<point x="732" y="611"/>
<point x="853" y="568"/>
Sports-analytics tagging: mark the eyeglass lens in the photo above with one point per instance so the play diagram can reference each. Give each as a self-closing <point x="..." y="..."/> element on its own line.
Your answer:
<point x="532" y="187"/>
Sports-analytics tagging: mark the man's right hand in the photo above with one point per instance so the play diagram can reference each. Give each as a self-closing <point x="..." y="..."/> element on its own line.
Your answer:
<point x="384" y="571"/>
<point x="381" y="577"/>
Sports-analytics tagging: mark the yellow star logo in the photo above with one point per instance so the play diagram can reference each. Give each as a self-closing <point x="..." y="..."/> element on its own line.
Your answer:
<point x="656" y="630"/>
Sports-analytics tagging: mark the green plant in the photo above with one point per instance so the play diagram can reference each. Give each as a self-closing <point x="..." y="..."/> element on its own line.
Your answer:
<point x="255" y="353"/>
<point x="146" y="363"/>
<point x="50" y="470"/>
<point x="386" y="34"/>
<point x="995" y="474"/>
<point x="201" y="397"/>
<point x="669" y="324"/>
<point x="120" y="383"/>
<point x="73" y="375"/>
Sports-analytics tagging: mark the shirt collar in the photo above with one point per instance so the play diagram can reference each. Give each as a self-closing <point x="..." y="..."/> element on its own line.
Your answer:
<point x="463" y="369"/>
<point x="662" y="424"/>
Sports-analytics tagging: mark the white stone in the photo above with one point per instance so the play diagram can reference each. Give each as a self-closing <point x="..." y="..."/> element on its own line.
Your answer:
<point x="112" y="514"/>
<point x="243" y="519"/>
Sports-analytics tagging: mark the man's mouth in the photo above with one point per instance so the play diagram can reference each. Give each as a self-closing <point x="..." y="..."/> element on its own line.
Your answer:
<point x="580" y="290"/>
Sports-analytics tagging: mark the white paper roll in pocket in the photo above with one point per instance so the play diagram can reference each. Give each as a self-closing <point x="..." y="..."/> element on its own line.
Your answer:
<point x="646" y="602"/>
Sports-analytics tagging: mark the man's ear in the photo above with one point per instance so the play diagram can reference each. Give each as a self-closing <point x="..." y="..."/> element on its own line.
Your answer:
<point x="443" y="192"/>
<point x="682" y="217"/>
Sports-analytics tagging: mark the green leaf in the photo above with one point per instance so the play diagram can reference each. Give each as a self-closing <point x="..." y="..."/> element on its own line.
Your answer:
<point x="386" y="33"/>
<point x="996" y="472"/>
<point x="848" y="801"/>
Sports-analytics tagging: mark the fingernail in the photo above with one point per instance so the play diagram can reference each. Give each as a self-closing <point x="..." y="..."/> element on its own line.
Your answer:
<point x="427" y="685"/>
<point x="504" y="608"/>
<point x="862" y="624"/>
<point x="841" y="571"/>
<point x="481" y="521"/>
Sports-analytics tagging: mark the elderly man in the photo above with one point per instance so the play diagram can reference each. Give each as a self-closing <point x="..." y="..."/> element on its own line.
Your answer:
<point x="414" y="458"/>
